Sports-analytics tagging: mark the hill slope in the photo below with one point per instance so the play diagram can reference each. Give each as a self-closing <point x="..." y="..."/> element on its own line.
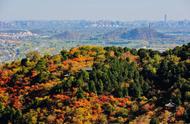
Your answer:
<point x="69" y="35"/>
<point x="142" y="34"/>
<point x="91" y="84"/>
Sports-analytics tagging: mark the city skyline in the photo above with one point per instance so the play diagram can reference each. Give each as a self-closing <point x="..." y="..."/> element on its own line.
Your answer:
<point x="124" y="10"/>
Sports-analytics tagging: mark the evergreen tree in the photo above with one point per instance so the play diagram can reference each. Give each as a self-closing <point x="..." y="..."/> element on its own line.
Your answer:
<point x="41" y="65"/>
<point x="100" y="87"/>
<point x="92" y="87"/>
<point x="64" y="54"/>
<point x="80" y="93"/>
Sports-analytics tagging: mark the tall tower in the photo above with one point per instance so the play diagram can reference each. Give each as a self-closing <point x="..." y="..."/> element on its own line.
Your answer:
<point x="165" y="18"/>
<point x="149" y="25"/>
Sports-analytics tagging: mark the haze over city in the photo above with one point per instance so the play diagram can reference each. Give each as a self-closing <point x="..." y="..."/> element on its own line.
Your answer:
<point x="125" y="10"/>
<point x="94" y="62"/>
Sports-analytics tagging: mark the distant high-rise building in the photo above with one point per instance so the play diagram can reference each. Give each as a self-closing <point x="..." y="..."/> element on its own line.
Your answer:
<point x="149" y="25"/>
<point x="165" y="18"/>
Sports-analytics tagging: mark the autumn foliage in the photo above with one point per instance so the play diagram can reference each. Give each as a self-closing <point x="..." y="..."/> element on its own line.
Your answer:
<point x="92" y="84"/>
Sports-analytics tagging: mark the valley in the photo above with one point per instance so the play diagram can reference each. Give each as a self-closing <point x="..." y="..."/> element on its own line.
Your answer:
<point x="49" y="37"/>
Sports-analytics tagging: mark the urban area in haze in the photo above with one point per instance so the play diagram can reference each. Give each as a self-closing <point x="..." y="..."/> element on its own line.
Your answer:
<point x="94" y="61"/>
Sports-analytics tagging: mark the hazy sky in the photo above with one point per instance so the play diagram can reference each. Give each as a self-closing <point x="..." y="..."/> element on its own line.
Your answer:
<point x="94" y="9"/>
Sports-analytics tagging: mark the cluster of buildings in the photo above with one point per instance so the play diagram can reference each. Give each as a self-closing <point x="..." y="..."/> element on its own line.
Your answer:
<point x="16" y="35"/>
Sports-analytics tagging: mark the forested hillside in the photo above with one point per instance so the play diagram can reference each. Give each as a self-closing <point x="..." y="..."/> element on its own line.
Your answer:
<point x="92" y="84"/>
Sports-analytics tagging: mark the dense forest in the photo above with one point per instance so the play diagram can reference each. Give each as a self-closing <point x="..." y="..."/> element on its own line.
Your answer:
<point x="93" y="84"/>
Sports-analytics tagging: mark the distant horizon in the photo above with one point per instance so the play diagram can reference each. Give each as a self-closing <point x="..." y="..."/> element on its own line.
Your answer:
<point x="90" y="20"/>
<point x="119" y="10"/>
